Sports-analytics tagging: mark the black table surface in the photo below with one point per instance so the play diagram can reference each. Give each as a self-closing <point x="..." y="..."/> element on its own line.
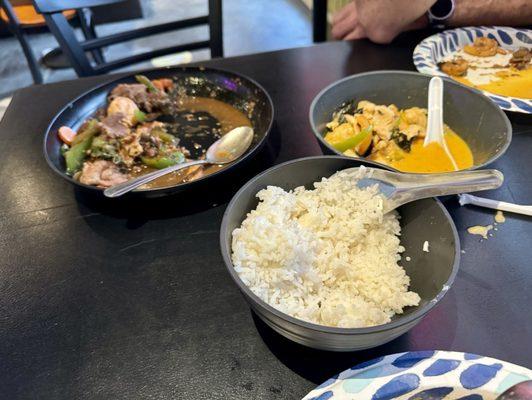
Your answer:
<point x="132" y="300"/>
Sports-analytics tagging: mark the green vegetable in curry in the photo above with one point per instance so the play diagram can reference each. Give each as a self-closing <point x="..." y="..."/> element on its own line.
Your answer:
<point x="164" y="161"/>
<point x="353" y="141"/>
<point x="76" y="155"/>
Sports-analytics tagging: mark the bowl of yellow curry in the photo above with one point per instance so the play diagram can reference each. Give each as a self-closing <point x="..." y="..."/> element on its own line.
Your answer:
<point x="382" y="116"/>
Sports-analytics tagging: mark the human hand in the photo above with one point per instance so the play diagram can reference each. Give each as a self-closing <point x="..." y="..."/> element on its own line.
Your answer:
<point x="379" y="20"/>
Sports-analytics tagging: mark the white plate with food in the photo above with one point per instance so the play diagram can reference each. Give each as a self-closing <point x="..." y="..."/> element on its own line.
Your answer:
<point x="495" y="60"/>
<point x="423" y="375"/>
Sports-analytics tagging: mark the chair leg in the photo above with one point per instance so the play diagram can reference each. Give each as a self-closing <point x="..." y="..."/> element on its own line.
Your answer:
<point x="30" y="57"/>
<point x="16" y="29"/>
<point x="87" y="27"/>
<point x="65" y="36"/>
<point x="216" y="28"/>
<point x="319" y="20"/>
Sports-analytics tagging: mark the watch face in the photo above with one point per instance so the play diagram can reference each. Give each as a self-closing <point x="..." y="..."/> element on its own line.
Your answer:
<point x="442" y="9"/>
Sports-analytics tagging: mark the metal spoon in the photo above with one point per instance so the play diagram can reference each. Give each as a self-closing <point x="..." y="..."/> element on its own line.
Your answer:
<point x="401" y="188"/>
<point x="227" y="149"/>
<point x="520" y="391"/>
<point x="435" y="118"/>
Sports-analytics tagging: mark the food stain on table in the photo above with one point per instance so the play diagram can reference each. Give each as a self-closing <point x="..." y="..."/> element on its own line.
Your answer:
<point x="499" y="217"/>
<point x="480" y="230"/>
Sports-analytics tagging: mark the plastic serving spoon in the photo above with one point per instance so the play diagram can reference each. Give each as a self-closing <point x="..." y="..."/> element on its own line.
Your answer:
<point x="435" y="118"/>
<point x="227" y="149"/>
<point x="401" y="188"/>
<point x="494" y="204"/>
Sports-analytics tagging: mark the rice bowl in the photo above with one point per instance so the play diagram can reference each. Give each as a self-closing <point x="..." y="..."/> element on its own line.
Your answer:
<point x="431" y="274"/>
<point x="327" y="255"/>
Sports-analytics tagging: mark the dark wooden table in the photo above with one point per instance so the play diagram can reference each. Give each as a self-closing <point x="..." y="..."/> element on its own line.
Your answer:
<point x="128" y="301"/>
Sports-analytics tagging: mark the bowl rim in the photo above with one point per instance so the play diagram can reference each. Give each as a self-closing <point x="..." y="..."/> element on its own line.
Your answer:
<point x="448" y="81"/>
<point x="401" y="320"/>
<point x="159" y="190"/>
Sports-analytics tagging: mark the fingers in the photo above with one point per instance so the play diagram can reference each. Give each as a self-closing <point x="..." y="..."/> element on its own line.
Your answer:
<point x="347" y="24"/>
<point x="357" y="33"/>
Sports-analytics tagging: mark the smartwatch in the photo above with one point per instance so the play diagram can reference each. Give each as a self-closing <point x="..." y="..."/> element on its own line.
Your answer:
<point x="440" y="13"/>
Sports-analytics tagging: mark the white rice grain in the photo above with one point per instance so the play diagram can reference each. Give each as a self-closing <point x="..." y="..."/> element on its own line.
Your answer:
<point x="328" y="255"/>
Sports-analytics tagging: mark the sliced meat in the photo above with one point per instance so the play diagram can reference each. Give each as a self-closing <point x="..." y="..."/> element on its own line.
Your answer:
<point x="140" y="95"/>
<point x="115" y="125"/>
<point x="101" y="173"/>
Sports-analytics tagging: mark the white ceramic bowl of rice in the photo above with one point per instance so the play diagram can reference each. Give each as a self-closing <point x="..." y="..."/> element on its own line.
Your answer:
<point x="321" y="264"/>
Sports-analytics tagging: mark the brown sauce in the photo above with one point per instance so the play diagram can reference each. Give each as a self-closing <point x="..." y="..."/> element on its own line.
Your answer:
<point x="199" y="124"/>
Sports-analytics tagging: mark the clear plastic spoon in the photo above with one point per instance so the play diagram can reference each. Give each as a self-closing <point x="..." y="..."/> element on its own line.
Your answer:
<point x="401" y="188"/>
<point x="435" y="118"/>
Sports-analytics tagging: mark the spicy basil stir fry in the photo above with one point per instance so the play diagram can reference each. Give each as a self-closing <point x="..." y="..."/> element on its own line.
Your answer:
<point x="146" y="125"/>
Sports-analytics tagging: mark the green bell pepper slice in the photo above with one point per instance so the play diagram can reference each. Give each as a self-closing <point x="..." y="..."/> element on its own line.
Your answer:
<point x="161" y="162"/>
<point x="353" y="141"/>
<point x="145" y="81"/>
<point x="75" y="156"/>
<point x="89" y="131"/>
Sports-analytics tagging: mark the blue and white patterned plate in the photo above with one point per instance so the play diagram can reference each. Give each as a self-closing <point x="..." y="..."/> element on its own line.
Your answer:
<point x="423" y="375"/>
<point x="430" y="51"/>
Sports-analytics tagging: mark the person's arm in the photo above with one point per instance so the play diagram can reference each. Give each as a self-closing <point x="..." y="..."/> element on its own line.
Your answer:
<point x="382" y="20"/>
<point x="492" y="12"/>
<point x="379" y="20"/>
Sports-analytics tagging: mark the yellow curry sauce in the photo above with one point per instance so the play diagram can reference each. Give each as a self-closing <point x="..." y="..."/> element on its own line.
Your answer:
<point x="433" y="158"/>
<point x="513" y="83"/>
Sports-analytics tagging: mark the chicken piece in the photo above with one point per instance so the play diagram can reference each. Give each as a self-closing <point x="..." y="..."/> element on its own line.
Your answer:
<point x="384" y="120"/>
<point x="131" y="144"/>
<point x="362" y="121"/>
<point x="413" y="131"/>
<point x="416" y="115"/>
<point x="114" y="126"/>
<point x="101" y="173"/>
<point x="126" y="107"/>
<point x="366" y="106"/>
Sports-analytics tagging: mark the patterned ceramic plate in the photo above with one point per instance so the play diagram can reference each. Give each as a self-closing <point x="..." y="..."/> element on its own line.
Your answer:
<point x="433" y="49"/>
<point x="423" y="375"/>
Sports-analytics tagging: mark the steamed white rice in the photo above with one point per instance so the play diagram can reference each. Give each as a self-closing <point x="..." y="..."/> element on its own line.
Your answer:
<point x="327" y="255"/>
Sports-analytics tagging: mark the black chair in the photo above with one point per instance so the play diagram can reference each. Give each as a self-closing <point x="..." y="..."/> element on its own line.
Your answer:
<point x="18" y="30"/>
<point x="319" y="20"/>
<point x="76" y="51"/>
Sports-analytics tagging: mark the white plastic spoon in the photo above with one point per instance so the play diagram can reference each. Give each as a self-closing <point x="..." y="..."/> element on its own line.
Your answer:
<point x="435" y="118"/>
<point x="494" y="204"/>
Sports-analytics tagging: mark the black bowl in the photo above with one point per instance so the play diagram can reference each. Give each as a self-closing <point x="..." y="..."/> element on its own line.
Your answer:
<point x="431" y="274"/>
<point x="237" y="90"/>
<point x="473" y="116"/>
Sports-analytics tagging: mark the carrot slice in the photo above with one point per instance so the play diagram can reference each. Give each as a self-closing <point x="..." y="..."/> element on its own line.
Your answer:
<point x="66" y="134"/>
